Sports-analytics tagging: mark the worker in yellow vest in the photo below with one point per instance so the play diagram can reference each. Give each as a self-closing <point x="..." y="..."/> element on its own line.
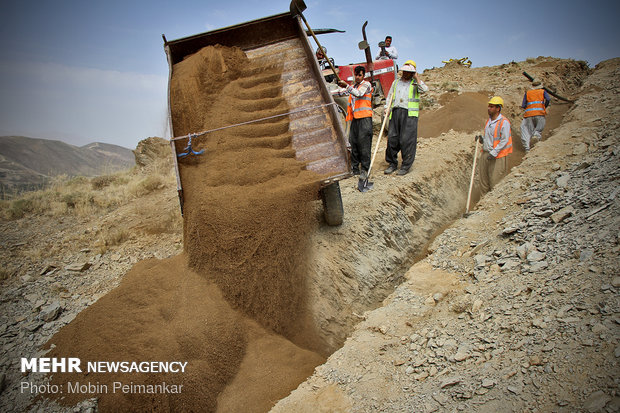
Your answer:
<point x="535" y="102"/>
<point x="359" y="113"/>
<point x="496" y="145"/>
<point x="403" y="113"/>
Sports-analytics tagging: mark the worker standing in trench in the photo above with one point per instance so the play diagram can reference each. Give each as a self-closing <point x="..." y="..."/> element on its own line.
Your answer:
<point x="535" y="102"/>
<point x="359" y="113"/>
<point x="403" y="113"/>
<point x="496" y="145"/>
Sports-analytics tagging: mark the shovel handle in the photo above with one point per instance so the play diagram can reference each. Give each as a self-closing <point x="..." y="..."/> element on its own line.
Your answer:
<point x="473" y="172"/>
<point x="319" y="44"/>
<point x="372" y="161"/>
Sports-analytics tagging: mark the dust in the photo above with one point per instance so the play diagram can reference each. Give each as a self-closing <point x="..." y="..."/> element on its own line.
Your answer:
<point x="248" y="212"/>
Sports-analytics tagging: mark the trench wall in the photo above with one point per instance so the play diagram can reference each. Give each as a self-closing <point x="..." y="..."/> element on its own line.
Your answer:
<point x="355" y="266"/>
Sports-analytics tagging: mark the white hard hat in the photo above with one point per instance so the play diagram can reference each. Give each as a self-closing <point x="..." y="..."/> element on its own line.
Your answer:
<point x="408" y="68"/>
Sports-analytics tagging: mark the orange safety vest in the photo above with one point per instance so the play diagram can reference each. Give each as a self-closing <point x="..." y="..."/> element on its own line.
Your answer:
<point x="535" y="103"/>
<point x="362" y="108"/>
<point x="497" y="135"/>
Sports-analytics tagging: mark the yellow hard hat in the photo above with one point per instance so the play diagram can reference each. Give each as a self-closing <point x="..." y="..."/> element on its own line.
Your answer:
<point x="412" y="63"/>
<point x="496" y="100"/>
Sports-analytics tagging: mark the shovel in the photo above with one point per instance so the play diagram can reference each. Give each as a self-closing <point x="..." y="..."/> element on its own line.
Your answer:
<point x="297" y="7"/>
<point x="473" y="172"/>
<point x="363" y="185"/>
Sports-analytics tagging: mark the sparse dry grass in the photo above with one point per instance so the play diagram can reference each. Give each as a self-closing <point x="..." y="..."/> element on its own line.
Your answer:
<point x="81" y="196"/>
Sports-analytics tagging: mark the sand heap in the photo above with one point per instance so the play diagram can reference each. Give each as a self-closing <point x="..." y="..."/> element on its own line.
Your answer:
<point x="247" y="215"/>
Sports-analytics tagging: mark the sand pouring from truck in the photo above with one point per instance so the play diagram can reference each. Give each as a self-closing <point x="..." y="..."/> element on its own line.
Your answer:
<point x="317" y="135"/>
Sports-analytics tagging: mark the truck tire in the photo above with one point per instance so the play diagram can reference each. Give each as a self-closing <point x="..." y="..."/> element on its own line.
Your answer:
<point x="332" y="204"/>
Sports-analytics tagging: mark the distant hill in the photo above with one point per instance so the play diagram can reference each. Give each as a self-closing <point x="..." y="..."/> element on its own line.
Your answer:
<point x="29" y="163"/>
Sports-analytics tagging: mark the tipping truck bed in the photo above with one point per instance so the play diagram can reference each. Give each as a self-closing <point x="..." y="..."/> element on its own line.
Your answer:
<point x="315" y="125"/>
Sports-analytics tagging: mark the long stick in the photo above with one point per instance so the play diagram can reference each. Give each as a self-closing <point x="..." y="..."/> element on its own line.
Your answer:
<point x="549" y="91"/>
<point x="471" y="182"/>
<point x="387" y="115"/>
<point x="319" y="44"/>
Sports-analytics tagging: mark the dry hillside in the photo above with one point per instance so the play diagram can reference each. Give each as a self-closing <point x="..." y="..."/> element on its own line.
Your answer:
<point x="411" y="307"/>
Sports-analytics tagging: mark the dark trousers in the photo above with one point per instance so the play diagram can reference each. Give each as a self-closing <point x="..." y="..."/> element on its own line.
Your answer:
<point x="360" y="138"/>
<point x="402" y="137"/>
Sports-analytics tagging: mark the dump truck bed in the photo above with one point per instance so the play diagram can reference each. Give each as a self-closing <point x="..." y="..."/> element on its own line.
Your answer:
<point x="316" y="126"/>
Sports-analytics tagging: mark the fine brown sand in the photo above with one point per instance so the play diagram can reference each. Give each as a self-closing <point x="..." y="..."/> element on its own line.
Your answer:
<point x="247" y="200"/>
<point x="247" y="214"/>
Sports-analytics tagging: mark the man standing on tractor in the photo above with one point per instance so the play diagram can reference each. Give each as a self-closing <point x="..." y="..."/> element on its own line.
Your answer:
<point x="403" y="113"/>
<point x="321" y="57"/>
<point x="535" y="102"/>
<point x="387" y="51"/>
<point x="496" y="145"/>
<point x="359" y="113"/>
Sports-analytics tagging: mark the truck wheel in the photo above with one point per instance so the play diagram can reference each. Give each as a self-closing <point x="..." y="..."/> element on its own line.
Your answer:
<point x="332" y="204"/>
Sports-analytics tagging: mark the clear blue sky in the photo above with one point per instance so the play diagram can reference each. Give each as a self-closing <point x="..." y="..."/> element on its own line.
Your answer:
<point x="83" y="71"/>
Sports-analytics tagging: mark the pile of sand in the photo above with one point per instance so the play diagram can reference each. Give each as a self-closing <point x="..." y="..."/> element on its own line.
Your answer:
<point x="248" y="212"/>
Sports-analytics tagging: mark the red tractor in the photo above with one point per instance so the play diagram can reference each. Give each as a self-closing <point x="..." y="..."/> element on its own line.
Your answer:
<point x="381" y="77"/>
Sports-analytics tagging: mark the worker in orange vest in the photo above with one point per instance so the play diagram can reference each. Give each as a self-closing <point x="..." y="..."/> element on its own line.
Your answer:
<point x="496" y="145"/>
<point x="359" y="113"/>
<point x="535" y="102"/>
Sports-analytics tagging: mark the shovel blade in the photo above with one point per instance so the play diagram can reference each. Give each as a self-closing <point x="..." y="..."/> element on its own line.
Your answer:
<point x="364" y="186"/>
<point x="297" y="7"/>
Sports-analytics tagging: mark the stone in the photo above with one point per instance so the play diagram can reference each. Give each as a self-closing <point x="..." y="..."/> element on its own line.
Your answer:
<point x="481" y="260"/>
<point x="514" y="389"/>
<point x="535" y="256"/>
<point x="562" y="180"/>
<point x="615" y="282"/>
<point x="421" y="376"/>
<point x="535" y="361"/>
<point x="50" y="312"/>
<point x="442" y="399"/>
<point x="545" y="213"/>
<point x="585" y="254"/>
<point x="78" y="267"/>
<point x="541" y="265"/>
<point x="430" y="301"/>
<point x="409" y="370"/>
<point x="437" y="297"/>
<point x="580" y="149"/>
<point x="476" y="306"/>
<point x="562" y="214"/>
<point x="450" y="382"/>
<point x="524" y="249"/>
<point x="488" y="383"/>
<point x="461" y="355"/>
<point x="596" y="401"/>
<point x="510" y="230"/>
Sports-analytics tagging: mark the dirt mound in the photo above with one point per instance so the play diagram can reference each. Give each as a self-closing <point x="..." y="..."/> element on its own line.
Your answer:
<point x="151" y="150"/>
<point x="461" y="113"/>
<point x="161" y="311"/>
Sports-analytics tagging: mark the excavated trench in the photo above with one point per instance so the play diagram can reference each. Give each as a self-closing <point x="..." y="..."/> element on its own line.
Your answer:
<point x="263" y="292"/>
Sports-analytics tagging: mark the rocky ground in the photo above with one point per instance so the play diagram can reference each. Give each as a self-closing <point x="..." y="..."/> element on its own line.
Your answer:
<point x="514" y="308"/>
